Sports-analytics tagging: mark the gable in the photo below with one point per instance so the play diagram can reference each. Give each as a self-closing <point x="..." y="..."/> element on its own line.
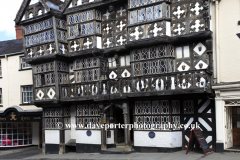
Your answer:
<point x="33" y="8"/>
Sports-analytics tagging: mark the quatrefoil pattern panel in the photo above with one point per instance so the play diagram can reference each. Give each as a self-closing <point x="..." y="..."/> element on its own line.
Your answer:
<point x="189" y="16"/>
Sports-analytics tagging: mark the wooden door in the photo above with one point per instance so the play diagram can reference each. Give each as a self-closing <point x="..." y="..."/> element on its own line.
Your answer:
<point x="236" y="126"/>
<point x="228" y="127"/>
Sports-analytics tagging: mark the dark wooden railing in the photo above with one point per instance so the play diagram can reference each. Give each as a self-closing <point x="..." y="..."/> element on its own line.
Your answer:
<point x="153" y="83"/>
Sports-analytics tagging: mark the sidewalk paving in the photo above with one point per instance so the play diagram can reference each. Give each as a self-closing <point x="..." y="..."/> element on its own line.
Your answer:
<point x="32" y="153"/>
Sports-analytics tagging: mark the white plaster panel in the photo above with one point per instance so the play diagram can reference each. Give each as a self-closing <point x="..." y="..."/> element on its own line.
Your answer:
<point x="177" y="139"/>
<point x="35" y="131"/>
<point x="99" y="42"/>
<point x="67" y="135"/>
<point x="73" y="121"/>
<point x="161" y="139"/>
<point x="168" y="28"/>
<point x="95" y="138"/>
<point x="52" y="137"/>
<point x="110" y="140"/>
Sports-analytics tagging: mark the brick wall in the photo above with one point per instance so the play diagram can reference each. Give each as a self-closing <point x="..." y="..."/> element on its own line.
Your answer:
<point x="18" y="32"/>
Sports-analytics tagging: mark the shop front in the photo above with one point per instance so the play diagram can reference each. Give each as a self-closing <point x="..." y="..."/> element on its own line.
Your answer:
<point x="20" y="128"/>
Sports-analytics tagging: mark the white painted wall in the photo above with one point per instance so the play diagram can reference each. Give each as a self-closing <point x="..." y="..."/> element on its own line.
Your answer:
<point x="110" y="140"/>
<point x="67" y="135"/>
<point x="168" y="28"/>
<point x="73" y="122"/>
<point x="95" y="138"/>
<point x="162" y="139"/>
<point x="228" y="56"/>
<point x="11" y="83"/>
<point x="35" y="133"/>
<point x="52" y="137"/>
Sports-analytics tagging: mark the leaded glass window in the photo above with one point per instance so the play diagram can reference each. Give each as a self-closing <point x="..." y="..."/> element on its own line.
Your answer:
<point x="162" y="51"/>
<point x="41" y="37"/>
<point x="164" y="107"/>
<point x="89" y="15"/>
<point x="188" y="107"/>
<point x="28" y="41"/>
<point x="141" y="2"/>
<point x="36" y="27"/>
<point x="46" y="36"/>
<point x="162" y="66"/>
<point x="83" y="16"/>
<point x="141" y="15"/>
<point x="133" y="3"/>
<point x="37" y="38"/>
<point x="158" y="11"/>
<point x="84" y="29"/>
<point x="133" y="17"/>
<point x="153" y="53"/>
<point x="149" y="13"/>
<point x="50" y="23"/>
<point x="32" y="40"/>
<point x="136" y="55"/>
<point x="71" y="31"/>
<point x="98" y="27"/>
<point x="40" y="26"/>
<point x="77" y="18"/>
<point x="71" y="19"/>
<point x="136" y="69"/>
<point x="175" y="107"/>
<point x="145" y="68"/>
<point x="146" y="107"/>
<point x="51" y="35"/>
<point x="31" y="28"/>
<point x="168" y="11"/>
<point x="144" y="53"/>
<point x="45" y="24"/>
<point x="90" y="28"/>
<point x="98" y="15"/>
<point x="154" y="67"/>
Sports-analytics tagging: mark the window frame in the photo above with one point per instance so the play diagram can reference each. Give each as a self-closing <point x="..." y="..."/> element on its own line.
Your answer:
<point x="24" y="63"/>
<point x="30" y="97"/>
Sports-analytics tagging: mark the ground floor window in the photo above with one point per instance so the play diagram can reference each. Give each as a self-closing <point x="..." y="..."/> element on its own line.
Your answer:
<point x="88" y="116"/>
<point x="159" y="115"/>
<point x="15" y="134"/>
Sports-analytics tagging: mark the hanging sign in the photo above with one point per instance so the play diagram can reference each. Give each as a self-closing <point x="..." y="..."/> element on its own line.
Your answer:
<point x="196" y="134"/>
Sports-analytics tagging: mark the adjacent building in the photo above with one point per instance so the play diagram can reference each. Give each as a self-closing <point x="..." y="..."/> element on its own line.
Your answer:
<point x="20" y="120"/>
<point x="120" y="61"/>
<point x="226" y="29"/>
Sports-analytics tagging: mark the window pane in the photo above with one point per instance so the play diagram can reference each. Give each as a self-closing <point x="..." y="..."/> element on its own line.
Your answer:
<point x="186" y="51"/>
<point x="179" y="52"/>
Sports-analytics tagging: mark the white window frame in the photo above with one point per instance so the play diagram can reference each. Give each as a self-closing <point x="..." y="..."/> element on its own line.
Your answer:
<point x="24" y="65"/>
<point x="27" y="94"/>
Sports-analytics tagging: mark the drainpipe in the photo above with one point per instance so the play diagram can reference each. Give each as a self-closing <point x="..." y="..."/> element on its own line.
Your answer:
<point x="217" y="55"/>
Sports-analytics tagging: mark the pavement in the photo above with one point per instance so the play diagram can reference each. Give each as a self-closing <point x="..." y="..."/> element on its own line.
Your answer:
<point x="33" y="153"/>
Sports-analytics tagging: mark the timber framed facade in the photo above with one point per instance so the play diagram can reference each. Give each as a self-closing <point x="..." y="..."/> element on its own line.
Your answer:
<point x="159" y="68"/>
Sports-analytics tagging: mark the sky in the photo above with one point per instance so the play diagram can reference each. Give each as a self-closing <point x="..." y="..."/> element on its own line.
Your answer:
<point x="8" y="11"/>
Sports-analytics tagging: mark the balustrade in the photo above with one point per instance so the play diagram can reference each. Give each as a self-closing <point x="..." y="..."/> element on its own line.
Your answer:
<point x="147" y="84"/>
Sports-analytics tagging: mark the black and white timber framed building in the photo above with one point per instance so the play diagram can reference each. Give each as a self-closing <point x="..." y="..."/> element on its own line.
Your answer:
<point x="160" y="71"/>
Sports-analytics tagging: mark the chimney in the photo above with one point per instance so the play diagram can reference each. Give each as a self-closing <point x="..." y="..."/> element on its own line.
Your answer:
<point x="18" y="32"/>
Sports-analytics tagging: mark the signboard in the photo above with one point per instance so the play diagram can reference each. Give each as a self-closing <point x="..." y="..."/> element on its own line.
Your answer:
<point x="196" y="137"/>
<point x="12" y="115"/>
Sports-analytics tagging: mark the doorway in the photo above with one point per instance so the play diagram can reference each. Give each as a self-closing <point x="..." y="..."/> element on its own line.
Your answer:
<point x="119" y="131"/>
<point x="236" y="126"/>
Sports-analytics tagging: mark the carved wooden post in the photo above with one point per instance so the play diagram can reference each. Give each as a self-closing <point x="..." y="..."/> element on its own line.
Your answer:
<point x="62" y="134"/>
<point x="128" y="146"/>
<point x="103" y="132"/>
<point x="43" y="134"/>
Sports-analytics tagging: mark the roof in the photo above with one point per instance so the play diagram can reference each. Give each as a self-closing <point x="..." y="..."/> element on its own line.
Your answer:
<point x="11" y="46"/>
<point x="47" y="4"/>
